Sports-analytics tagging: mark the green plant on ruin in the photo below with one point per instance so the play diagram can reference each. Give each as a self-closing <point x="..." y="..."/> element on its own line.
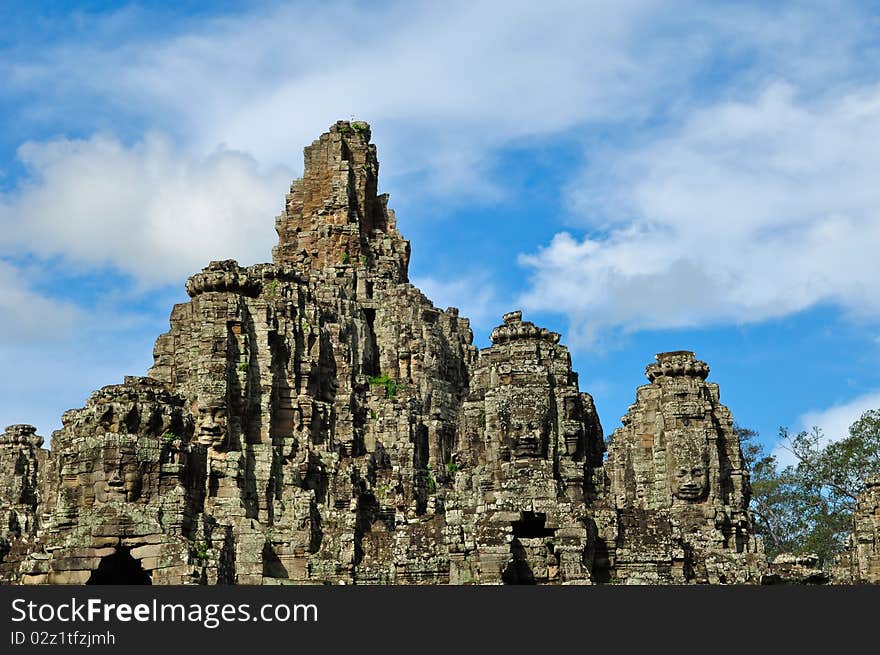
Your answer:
<point x="391" y="386"/>
<point x="363" y="260"/>
<point x="200" y="551"/>
<point x="432" y="483"/>
<point x="345" y="258"/>
<point x="451" y="467"/>
<point x="169" y="436"/>
<point x="359" y="126"/>
<point x="373" y="414"/>
<point x="243" y="367"/>
<point x="273" y="288"/>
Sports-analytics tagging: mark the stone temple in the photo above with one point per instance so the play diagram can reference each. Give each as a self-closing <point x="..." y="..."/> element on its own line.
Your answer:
<point x="677" y="491"/>
<point x="317" y="420"/>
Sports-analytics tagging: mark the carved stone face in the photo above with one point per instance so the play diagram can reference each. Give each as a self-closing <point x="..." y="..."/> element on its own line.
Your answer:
<point x="118" y="476"/>
<point x="103" y="473"/>
<point x="527" y="439"/>
<point x="689" y="474"/>
<point x="211" y="426"/>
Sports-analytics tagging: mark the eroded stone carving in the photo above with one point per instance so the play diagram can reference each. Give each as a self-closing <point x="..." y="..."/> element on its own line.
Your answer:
<point x="108" y="472"/>
<point x="688" y="467"/>
<point x="21" y="458"/>
<point x="317" y="420"/>
<point x="518" y="508"/>
<point x="678" y="492"/>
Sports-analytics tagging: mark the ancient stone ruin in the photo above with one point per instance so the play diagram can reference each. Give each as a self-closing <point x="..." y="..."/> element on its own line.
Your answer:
<point x="676" y="503"/>
<point x="318" y="420"/>
<point x="860" y="564"/>
<point x="21" y="461"/>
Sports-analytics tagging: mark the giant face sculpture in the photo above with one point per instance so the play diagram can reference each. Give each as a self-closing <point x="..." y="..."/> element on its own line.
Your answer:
<point x="103" y="472"/>
<point x="526" y="439"/>
<point x="524" y="425"/>
<point x="689" y="469"/>
<point x="211" y="426"/>
<point x="118" y="476"/>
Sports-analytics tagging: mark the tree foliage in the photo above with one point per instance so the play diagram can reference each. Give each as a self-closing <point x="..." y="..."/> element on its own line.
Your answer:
<point x="808" y="506"/>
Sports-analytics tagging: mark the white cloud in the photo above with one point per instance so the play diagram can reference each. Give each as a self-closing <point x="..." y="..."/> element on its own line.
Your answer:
<point x="444" y="85"/>
<point x="834" y="422"/>
<point x="147" y="210"/>
<point x="752" y="210"/>
<point x="29" y="315"/>
<point x="447" y="88"/>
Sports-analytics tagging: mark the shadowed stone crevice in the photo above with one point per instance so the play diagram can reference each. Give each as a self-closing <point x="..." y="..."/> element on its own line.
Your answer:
<point x="518" y="572"/>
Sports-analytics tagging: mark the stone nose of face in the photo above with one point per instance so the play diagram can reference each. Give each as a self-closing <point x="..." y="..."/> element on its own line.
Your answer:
<point x="210" y="425"/>
<point x="115" y="480"/>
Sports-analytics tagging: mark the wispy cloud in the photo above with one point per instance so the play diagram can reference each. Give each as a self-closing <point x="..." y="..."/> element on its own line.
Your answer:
<point x="445" y="85"/>
<point x="447" y="89"/>
<point x="751" y="210"/>
<point x="147" y="210"/>
<point x="834" y="422"/>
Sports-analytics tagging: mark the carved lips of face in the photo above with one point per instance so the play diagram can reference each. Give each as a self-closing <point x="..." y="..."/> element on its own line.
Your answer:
<point x="212" y="426"/>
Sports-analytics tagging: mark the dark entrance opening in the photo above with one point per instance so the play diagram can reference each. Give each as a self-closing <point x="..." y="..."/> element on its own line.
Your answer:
<point x="120" y="568"/>
<point x="532" y="525"/>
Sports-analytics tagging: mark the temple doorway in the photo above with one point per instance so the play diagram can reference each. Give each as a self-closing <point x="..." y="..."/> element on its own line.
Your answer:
<point x="119" y="568"/>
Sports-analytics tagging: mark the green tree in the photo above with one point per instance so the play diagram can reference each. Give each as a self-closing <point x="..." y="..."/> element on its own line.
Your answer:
<point x="774" y="504"/>
<point x="808" y="506"/>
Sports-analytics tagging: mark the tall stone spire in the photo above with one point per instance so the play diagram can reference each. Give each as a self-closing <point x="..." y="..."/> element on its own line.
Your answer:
<point x="333" y="215"/>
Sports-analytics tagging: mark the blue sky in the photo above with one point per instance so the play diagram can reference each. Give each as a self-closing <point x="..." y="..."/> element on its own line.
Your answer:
<point x="638" y="177"/>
